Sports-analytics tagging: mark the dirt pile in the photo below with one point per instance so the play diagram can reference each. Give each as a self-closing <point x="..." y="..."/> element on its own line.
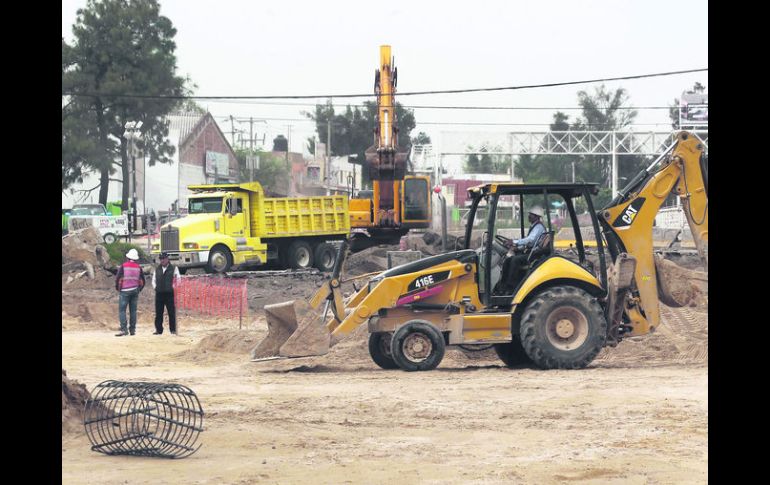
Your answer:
<point x="681" y="286"/>
<point x="429" y="243"/>
<point x="222" y="344"/>
<point x="73" y="400"/>
<point x="277" y="288"/>
<point x="681" y="338"/>
<point x="369" y="260"/>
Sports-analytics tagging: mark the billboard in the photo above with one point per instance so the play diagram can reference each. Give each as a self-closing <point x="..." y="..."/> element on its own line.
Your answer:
<point x="218" y="163"/>
<point x="694" y="110"/>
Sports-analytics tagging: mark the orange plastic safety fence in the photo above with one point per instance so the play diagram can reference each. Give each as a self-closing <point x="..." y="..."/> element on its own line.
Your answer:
<point x="212" y="295"/>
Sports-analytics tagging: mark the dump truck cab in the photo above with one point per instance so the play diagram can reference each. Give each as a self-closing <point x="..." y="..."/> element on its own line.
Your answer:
<point x="215" y="234"/>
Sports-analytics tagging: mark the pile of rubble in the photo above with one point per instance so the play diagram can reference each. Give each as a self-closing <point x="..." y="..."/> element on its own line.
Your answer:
<point x="73" y="400"/>
<point x="83" y="251"/>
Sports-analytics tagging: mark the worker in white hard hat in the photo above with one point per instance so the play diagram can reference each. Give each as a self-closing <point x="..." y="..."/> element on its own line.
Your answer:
<point x="517" y="256"/>
<point x="129" y="282"/>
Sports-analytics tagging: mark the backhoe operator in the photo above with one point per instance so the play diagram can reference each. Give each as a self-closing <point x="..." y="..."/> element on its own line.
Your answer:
<point x="517" y="255"/>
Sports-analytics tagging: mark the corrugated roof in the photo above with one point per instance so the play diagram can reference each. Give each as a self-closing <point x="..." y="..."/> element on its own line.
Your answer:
<point x="182" y="123"/>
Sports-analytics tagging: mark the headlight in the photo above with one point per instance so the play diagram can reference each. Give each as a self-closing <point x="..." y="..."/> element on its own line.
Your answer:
<point x="156" y="247"/>
<point x="190" y="245"/>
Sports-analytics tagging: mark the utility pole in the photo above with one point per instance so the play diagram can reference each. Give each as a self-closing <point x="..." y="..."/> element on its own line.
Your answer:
<point x="251" y="134"/>
<point x="232" y="130"/>
<point x="328" y="153"/>
<point x="131" y="134"/>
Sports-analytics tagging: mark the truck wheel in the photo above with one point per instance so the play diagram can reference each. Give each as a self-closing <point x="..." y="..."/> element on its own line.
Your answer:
<point x="182" y="270"/>
<point x="300" y="256"/>
<point x="563" y="328"/>
<point x="325" y="256"/>
<point x="379" y="350"/>
<point x="220" y="260"/>
<point x="417" y="345"/>
<point x="512" y="354"/>
<point x="109" y="238"/>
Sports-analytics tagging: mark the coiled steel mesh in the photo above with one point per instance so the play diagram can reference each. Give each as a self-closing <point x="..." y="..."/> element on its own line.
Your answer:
<point x="143" y="418"/>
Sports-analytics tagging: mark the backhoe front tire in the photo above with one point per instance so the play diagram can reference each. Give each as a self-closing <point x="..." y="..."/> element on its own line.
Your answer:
<point x="109" y="238"/>
<point x="417" y="345"/>
<point x="512" y="354"/>
<point x="563" y="328"/>
<point x="379" y="350"/>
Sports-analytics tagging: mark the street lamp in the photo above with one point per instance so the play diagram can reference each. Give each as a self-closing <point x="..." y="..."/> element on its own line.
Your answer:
<point x="132" y="134"/>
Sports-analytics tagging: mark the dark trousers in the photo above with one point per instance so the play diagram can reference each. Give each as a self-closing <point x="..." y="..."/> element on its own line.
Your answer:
<point x="512" y="270"/>
<point x="165" y="300"/>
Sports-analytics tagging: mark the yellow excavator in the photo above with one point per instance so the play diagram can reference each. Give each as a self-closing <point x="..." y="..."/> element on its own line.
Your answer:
<point x="562" y="311"/>
<point x="399" y="201"/>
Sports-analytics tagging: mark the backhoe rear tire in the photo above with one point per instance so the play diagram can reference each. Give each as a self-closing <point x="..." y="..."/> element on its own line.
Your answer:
<point x="512" y="354"/>
<point x="563" y="328"/>
<point x="417" y="345"/>
<point x="379" y="350"/>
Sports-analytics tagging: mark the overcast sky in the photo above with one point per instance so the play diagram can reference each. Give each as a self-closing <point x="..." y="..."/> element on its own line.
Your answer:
<point x="240" y="47"/>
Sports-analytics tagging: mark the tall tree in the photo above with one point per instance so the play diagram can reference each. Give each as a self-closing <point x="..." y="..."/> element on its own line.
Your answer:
<point x="120" y="47"/>
<point x="352" y="131"/>
<point x="421" y="139"/>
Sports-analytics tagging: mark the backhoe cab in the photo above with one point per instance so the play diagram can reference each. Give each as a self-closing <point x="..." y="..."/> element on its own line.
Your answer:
<point x="559" y="314"/>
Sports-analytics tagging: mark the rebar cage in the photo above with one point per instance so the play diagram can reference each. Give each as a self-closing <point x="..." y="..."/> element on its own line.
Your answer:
<point x="144" y="419"/>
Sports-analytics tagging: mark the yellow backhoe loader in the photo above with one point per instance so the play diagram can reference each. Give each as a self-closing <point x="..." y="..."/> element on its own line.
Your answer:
<point x="561" y="312"/>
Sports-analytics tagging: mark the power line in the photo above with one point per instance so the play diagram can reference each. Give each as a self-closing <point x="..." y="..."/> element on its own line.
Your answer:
<point x="339" y="105"/>
<point x="413" y="93"/>
<point x="447" y="122"/>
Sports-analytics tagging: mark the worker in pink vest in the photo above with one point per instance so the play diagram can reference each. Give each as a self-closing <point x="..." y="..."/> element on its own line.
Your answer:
<point x="129" y="282"/>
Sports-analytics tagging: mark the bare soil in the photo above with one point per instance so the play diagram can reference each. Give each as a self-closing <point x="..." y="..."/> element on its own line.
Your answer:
<point x="638" y="414"/>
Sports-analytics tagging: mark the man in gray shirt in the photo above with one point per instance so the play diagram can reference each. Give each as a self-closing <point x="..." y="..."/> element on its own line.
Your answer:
<point x="512" y="265"/>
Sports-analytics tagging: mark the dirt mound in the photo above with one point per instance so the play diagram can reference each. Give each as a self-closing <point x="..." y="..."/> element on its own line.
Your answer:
<point x="681" y="338"/>
<point x="222" y="343"/>
<point x="368" y="261"/>
<point x="682" y="286"/>
<point x="73" y="400"/>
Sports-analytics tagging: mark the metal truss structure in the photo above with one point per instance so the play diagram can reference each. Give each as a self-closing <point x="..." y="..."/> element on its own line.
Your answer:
<point x="586" y="143"/>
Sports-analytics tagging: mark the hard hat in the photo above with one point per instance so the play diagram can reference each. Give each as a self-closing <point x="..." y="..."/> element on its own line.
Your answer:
<point x="537" y="210"/>
<point x="163" y="255"/>
<point x="132" y="254"/>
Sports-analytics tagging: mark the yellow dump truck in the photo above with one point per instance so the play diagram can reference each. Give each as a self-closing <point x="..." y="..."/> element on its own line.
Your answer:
<point x="235" y="224"/>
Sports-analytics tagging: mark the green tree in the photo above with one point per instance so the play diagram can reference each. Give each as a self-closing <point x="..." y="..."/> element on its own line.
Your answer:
<point x="120" y="47"/>
<point x="673" y="109"/>
<point x="487" y="163"/>
<point x="271" y="174"/>
<point x="352" y="131"/>
<point x="421" y="139"/>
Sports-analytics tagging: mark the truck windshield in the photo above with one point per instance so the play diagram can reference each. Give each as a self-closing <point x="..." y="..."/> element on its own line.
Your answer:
<point x="88" y="211"/>
<point x="208" y="205"/>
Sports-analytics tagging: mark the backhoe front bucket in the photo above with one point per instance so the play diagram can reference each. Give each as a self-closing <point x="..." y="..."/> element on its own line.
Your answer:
<point x="293" y="330"/>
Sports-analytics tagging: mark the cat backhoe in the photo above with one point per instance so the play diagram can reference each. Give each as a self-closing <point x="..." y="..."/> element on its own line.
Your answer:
<point x="562" y="311"/>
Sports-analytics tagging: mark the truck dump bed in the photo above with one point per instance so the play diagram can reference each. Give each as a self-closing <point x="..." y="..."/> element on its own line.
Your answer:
<point x="300" y="216"/>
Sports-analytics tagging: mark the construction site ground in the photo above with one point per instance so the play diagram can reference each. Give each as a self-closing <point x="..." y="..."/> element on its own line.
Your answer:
<point x="638" y="414"/>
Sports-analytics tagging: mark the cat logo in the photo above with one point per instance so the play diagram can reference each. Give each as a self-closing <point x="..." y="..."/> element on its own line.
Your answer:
<point x="626" y="218"/>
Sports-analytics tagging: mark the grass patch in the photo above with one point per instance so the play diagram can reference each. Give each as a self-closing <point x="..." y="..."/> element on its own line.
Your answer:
<point x="118" y="250"/>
